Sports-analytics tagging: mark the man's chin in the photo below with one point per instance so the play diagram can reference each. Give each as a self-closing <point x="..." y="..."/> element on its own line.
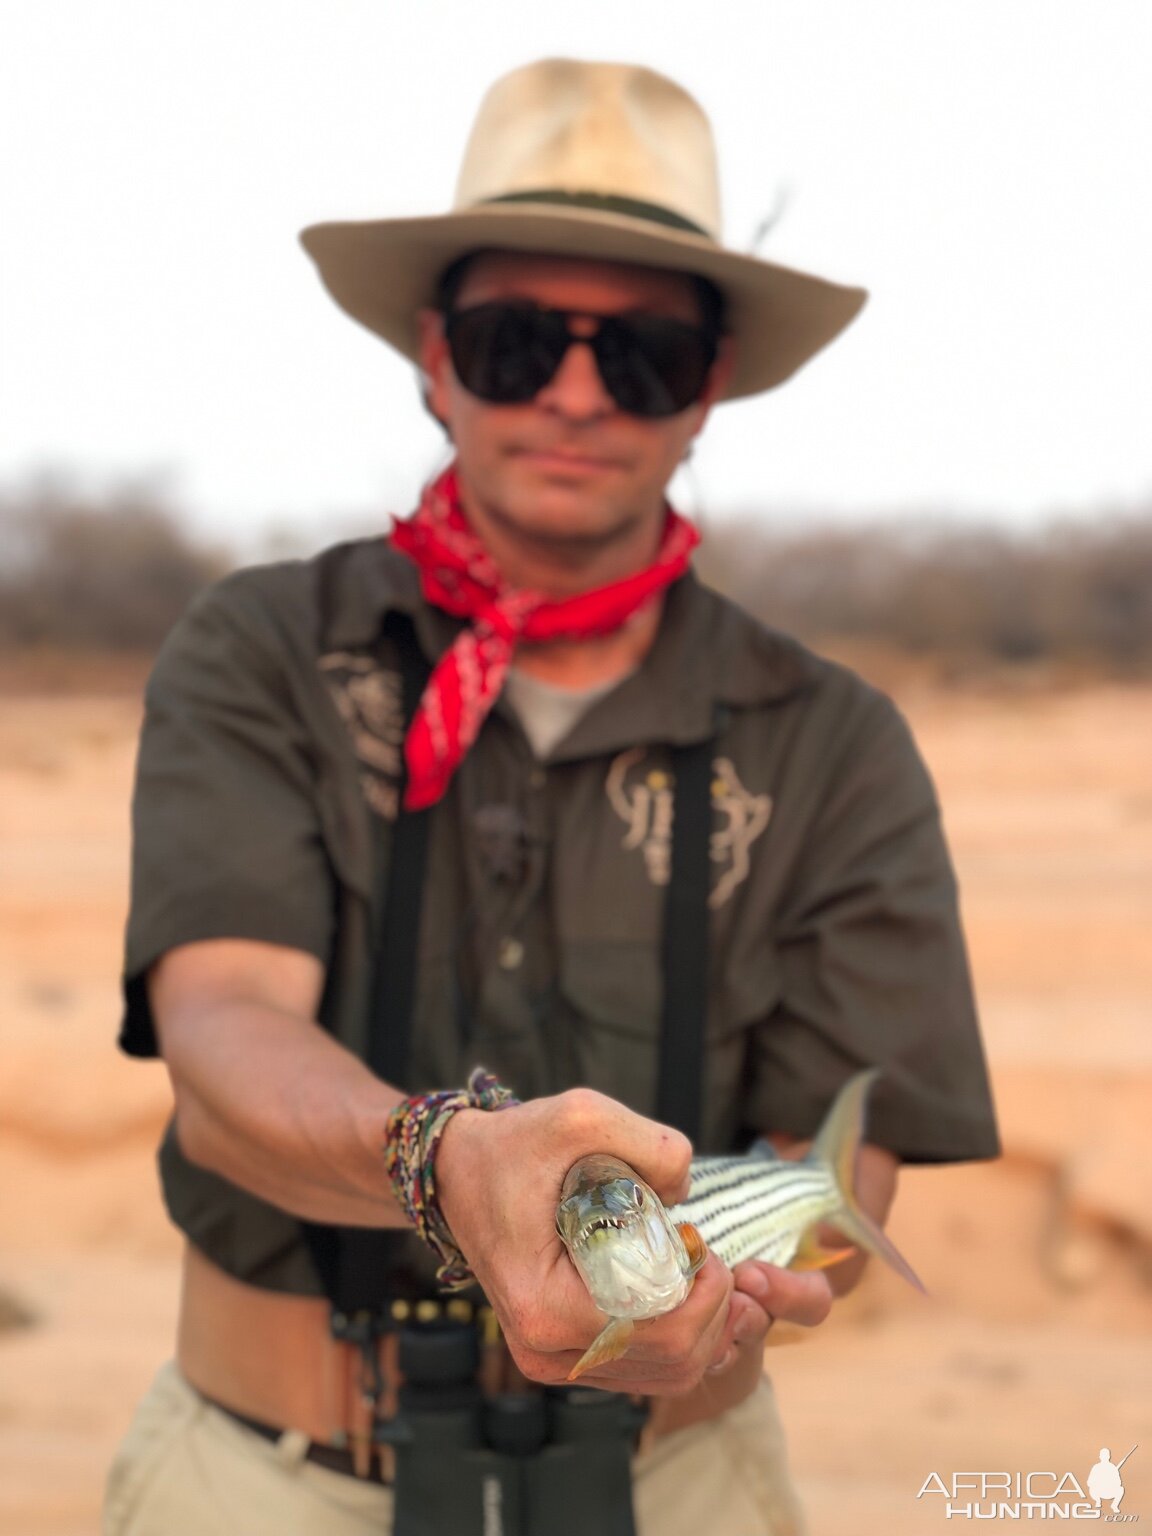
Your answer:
<point x="556" y="512"/>
<point x="566" y="527"/>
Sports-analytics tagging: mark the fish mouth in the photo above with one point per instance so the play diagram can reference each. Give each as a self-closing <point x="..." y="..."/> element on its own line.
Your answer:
<point x="605" y="1224"/>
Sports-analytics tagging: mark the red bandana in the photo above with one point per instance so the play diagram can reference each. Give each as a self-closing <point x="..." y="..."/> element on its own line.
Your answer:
<point x="458" y="574"/>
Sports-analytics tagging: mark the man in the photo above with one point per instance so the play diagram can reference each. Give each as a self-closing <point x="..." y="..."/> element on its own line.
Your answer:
<point x="574" y="320"/>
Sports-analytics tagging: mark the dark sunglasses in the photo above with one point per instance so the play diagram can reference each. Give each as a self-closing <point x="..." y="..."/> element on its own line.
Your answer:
<point x="651" y="365"/>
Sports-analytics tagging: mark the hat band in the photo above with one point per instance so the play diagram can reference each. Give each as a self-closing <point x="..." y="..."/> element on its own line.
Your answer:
<point x="606" y="202"/>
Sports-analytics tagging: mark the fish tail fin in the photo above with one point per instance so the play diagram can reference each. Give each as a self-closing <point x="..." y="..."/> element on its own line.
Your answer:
<point x="835" y="1147"/>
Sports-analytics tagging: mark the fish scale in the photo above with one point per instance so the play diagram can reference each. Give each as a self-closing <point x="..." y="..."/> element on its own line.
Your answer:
<point x="755" y="1207"/>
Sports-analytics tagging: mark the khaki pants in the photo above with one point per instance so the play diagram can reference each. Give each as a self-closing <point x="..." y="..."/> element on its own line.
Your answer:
<point x="186" y="1469"/>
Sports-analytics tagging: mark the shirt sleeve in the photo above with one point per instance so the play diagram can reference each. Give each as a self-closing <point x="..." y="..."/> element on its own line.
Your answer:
<point x="226" y="833"/>
<point x="873" y="965"/>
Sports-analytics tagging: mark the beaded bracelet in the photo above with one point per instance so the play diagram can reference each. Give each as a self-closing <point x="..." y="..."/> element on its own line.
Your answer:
<point x="411" y="1138"/>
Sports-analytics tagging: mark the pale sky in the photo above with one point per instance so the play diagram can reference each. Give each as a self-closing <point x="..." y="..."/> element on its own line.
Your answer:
<point x="981" y="166"/>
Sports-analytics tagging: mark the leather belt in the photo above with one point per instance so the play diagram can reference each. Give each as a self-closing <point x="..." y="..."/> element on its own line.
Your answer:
<point x="273" y="1354"/>
<point x="330" y="1456"/>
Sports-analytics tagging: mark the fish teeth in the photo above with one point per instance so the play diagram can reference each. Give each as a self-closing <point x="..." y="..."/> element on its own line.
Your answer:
<point x="601" y="1224"/>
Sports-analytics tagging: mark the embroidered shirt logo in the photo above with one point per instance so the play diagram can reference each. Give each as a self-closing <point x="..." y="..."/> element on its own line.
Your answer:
<point x="643" y="801"/>
<point x="370" y="700"/>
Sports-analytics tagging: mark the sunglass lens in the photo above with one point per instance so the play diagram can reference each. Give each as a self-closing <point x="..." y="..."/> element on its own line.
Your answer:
<point x="505" y="353"/>
<point x="653" y="365"/>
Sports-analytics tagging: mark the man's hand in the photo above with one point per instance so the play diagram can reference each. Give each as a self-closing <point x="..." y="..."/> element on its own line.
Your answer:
<point x="499" y="1177"/>
<point x="764" y="1294"/>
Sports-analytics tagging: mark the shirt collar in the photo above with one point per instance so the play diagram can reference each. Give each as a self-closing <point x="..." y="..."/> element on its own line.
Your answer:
<point x="708" y="656"/>
<point x="369" y="579"/>
<point x="708" y="653"/>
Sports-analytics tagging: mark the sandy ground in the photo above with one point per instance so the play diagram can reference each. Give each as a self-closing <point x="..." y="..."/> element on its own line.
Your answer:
<point x="1034" y="1348"/>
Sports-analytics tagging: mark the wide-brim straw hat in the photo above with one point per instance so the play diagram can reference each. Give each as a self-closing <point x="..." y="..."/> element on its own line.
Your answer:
<point x="600" y="161"/>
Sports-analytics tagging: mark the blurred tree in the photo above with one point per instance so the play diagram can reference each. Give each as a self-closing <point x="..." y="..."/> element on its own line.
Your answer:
<point x="110" y="572"/>
<point x="1077" y="592"/>
<point x="114" y="571"/>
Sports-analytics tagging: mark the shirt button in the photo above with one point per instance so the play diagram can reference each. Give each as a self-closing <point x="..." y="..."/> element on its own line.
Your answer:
<point x="538" y="778"/>
<point x="511" y="954"/>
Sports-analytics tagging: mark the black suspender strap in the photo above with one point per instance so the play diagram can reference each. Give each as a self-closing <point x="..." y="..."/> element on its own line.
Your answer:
<point x="394" y="989"/>
<point x="684" y="955"/>
<point x="354" y="1262"/>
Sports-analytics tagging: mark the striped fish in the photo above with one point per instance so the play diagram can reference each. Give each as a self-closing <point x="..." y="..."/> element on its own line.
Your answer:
<point x="638" y="1259"/>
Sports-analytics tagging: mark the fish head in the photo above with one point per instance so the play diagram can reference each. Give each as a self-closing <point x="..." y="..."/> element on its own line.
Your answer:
<point x="622" y="1240"/>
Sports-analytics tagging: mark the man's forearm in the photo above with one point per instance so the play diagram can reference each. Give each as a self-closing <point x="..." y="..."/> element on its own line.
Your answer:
<point x="274" y="1104"/>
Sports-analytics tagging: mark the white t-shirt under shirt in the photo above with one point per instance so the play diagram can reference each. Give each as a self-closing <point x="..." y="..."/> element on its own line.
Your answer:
<point x="547" y="711"/>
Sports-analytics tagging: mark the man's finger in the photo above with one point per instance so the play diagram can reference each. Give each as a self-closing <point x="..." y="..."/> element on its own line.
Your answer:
<point x="748" y="1320"/>
<point x="804" y="1298"/>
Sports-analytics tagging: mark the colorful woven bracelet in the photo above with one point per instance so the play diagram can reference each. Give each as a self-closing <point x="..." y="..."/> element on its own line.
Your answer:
<point x="411" y="1139"/>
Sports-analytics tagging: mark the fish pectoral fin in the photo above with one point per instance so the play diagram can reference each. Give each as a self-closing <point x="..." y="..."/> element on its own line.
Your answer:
<point x="784" y="1335"/>
<point x="812" y="1254"/>
<point x="610" y="1343"/>
<point x="694" y="1243"/>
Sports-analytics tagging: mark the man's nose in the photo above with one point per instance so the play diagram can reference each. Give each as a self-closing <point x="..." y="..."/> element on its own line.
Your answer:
<point x="576" y="389"/>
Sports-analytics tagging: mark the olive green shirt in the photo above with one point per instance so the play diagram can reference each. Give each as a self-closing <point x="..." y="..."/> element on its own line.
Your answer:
<point x="272" y="742"/>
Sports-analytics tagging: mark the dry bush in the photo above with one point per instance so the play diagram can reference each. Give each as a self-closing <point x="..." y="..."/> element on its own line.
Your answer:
<point x="112" y="572"/>
<point x="1078" y="593"/>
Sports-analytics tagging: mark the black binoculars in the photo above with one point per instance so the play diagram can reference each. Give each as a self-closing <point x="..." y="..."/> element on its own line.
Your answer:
<point x="550" y="1463"/>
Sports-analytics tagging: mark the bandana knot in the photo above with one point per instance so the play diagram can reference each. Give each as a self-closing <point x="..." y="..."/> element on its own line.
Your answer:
<point x="459" y="575"/>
